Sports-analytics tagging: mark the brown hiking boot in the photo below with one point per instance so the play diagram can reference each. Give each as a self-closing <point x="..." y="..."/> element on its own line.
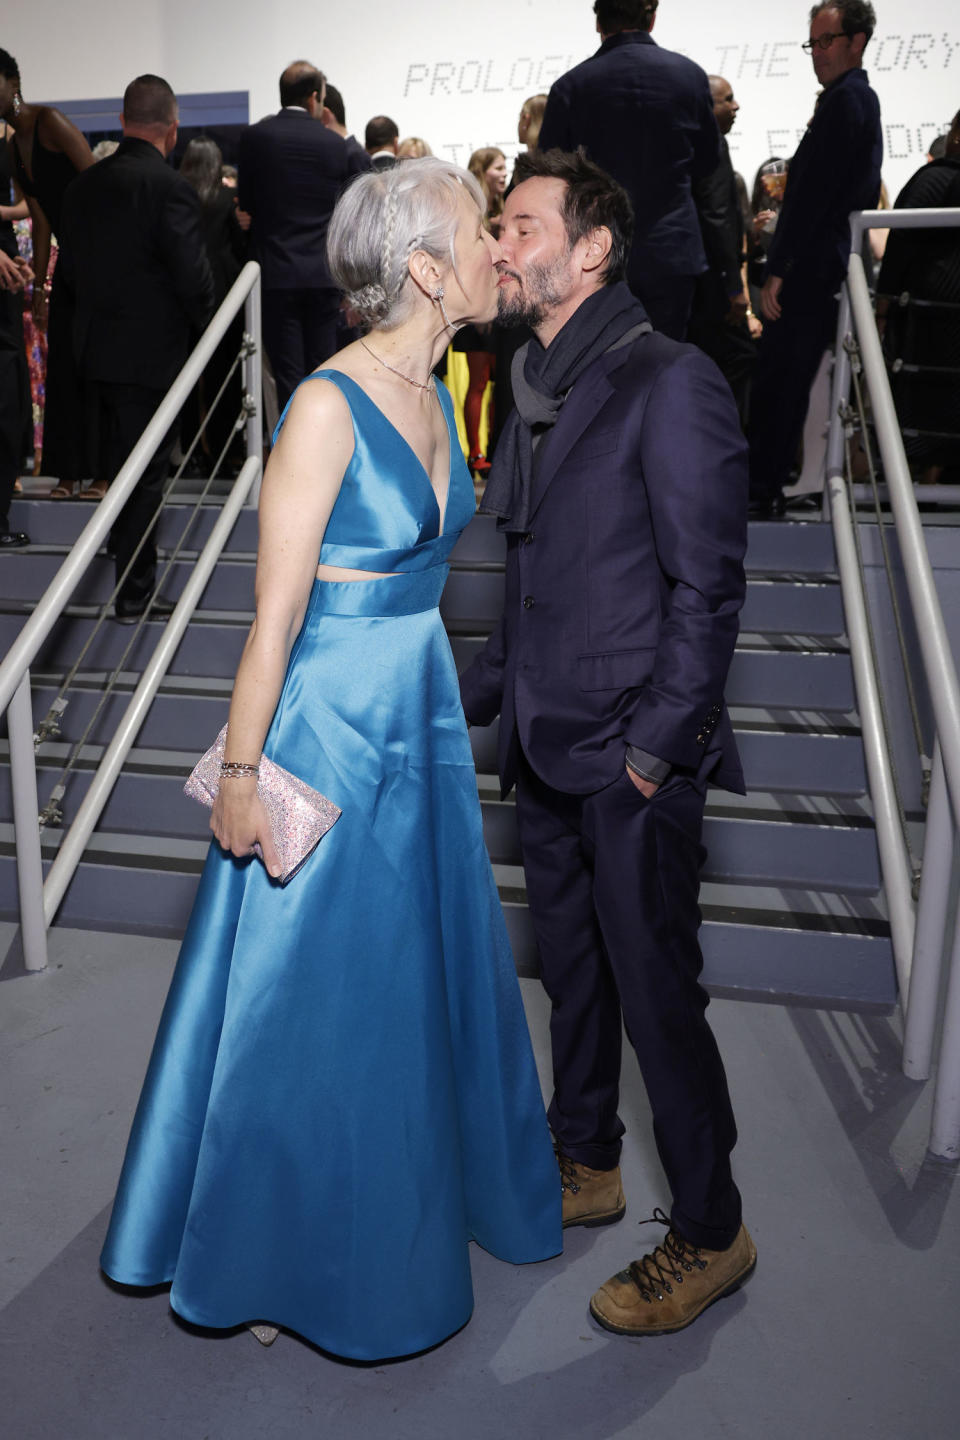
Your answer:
<point x="671" y="1286"/>
<point x="590" y="1197"/>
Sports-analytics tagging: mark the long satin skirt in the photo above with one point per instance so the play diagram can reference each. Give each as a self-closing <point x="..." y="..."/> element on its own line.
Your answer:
<point x="342" y="1093"/>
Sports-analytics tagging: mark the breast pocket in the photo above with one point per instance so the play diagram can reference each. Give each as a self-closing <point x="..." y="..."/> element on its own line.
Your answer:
<point x="605" y="442"/>
<point x="615" y="669"/>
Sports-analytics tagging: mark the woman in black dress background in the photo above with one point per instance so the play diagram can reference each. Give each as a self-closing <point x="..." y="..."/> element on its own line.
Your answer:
<point x="46" y="152"/>
<point x="226" y="247"/>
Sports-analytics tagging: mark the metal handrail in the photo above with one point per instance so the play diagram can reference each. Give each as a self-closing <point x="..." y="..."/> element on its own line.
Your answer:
<point x="923" y="925"/>
<point x="40" y="899"/>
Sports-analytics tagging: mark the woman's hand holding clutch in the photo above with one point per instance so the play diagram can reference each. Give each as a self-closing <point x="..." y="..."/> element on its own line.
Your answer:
<point x="239" y="822"/>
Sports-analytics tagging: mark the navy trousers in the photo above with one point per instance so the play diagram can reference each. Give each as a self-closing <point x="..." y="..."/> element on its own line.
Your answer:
<point x="299" y="333"/>
<point x="791" y="349"/>
<point x="64" y="425"/>
<point x="612" y="884"/>
<point x="122" y="414"/>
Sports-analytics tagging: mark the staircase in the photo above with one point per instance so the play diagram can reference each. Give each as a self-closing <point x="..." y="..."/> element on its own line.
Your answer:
<point x="790" y="898"/>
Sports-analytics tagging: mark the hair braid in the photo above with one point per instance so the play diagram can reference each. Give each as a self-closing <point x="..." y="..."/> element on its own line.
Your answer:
<point x="390" y="283"/>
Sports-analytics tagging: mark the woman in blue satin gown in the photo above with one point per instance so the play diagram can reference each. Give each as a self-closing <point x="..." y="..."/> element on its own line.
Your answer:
<point x="342" y="1092"/>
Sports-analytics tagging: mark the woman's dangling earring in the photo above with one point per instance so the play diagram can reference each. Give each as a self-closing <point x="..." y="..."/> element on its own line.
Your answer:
<point x="17" y="103"/>
<point x="438" y="296"/>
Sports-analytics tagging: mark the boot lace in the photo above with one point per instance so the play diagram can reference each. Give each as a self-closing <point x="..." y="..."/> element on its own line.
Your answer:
<point x="666" y="1264"/>
<point x="568" y="1172"/>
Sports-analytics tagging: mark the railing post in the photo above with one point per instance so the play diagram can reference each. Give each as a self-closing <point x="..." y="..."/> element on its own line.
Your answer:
<point x="930" y="935"/>
<point x="23" y="779"/>
<point x="253" y="383"/>
<point x="894" y="860"/>
<point x="945" y="1126"/>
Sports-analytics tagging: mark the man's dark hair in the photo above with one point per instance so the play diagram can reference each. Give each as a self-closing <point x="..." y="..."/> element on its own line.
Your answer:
<point x="299" y="81"/>
<point x="938" y="147"/>
<point x="9" y="68"/>
<point x="857" y="17"/>
<point x="149" y="100"/>
<point x="334" y="103"/>
<point x="616" y="15"/>
<point x="380" y="132"/>
<point x="593" y="198"/>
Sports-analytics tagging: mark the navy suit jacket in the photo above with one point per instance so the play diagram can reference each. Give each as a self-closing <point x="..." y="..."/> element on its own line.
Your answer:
<point x="645" y="116"/>
<point x="721" y="225"/>
<point x="836" y="169"/>
<point x="291" y="172"/>
<point x="137" y="265"/>
<point x="622" y="601"/>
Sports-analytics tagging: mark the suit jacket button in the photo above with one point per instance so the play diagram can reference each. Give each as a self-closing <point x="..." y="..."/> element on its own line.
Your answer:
<point x="528" y="602"/>
<point x="527" y="537"/>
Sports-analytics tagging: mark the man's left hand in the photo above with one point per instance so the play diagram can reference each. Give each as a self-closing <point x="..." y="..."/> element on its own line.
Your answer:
<point x="647" y="788"/>
<point x="770" y="297"/>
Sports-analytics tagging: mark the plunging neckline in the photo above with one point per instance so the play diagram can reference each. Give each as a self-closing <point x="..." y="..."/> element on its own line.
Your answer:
<point x="441" y="513"/>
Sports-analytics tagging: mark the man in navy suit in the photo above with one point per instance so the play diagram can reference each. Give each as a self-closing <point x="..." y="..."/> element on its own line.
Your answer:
<point x="292" y="170"/>
<point x="646" y="116"/>
<point x="138" y="268"/>
<point x="835" y="170"/>
<point x="620" y="483"/>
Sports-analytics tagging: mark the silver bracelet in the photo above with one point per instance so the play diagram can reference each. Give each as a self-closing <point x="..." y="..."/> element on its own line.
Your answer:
<point x="236" y="770"/>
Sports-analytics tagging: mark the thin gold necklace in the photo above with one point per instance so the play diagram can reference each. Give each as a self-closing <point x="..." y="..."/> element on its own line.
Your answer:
<point x="387" y="366"/>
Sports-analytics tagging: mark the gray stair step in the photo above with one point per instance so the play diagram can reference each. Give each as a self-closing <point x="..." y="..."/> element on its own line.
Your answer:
<point x="824" y="843"/>
<point x="473" y="600"/>
<point x="760" y="841"/>
<point x="785" y="547"/>
<point x="781" y="548"/>
<point x="752" y="948"/>
<point x="230" y="587"/>
<point x="777" y="753"/>
<point x="59" y="522"/>
<point x="802" y="677"/>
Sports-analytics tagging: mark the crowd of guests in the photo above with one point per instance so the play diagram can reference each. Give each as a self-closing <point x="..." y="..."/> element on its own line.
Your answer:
<point x="747" y="274"/>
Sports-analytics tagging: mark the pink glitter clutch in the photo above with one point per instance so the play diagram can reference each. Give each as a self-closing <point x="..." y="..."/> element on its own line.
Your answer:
<point x="299" y="816"/>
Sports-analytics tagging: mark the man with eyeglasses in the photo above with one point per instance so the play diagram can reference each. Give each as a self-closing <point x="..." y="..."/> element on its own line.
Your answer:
<point x="835" y="170"/>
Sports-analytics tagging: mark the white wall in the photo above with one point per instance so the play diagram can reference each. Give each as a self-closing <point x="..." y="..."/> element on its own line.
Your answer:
<point x="457" y="74"/>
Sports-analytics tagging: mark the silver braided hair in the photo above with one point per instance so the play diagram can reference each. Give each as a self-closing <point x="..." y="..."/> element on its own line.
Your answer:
<point x="380" y="220"/>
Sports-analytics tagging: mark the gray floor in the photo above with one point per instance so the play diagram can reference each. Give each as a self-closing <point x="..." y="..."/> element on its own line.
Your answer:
<point x="850" y="1326"/>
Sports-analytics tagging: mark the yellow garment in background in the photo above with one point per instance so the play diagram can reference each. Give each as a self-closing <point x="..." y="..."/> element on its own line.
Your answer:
<point x="458" y="382"/>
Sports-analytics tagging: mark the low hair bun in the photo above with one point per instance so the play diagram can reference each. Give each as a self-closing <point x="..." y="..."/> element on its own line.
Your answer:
<point x="370" y="302"/>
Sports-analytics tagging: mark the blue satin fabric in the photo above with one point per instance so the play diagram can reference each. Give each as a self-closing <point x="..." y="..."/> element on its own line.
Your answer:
<point x="342" y="1091"/>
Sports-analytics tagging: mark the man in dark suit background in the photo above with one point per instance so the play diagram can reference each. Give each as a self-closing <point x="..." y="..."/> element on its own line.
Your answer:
<point x="334" y="116"/>
<point x="620" y="483"/>
<point x="143" y="285"/>
<point x="292" y="170"/>
<point x="835" y="170"/>
<point x="382" y="137"/>
<point x="719" y="323"/>
<point x="645" y="116"/>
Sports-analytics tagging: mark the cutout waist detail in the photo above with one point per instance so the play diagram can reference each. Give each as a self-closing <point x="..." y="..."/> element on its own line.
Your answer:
<point x="403" y="593"/>
<point x="341" y="574"/>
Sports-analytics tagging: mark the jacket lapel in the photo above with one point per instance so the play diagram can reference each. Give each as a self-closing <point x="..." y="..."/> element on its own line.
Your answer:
<point x="582" y="405"/>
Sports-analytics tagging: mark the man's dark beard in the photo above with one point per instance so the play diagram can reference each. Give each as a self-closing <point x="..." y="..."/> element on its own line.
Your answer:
<point x="533" y="302"/>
